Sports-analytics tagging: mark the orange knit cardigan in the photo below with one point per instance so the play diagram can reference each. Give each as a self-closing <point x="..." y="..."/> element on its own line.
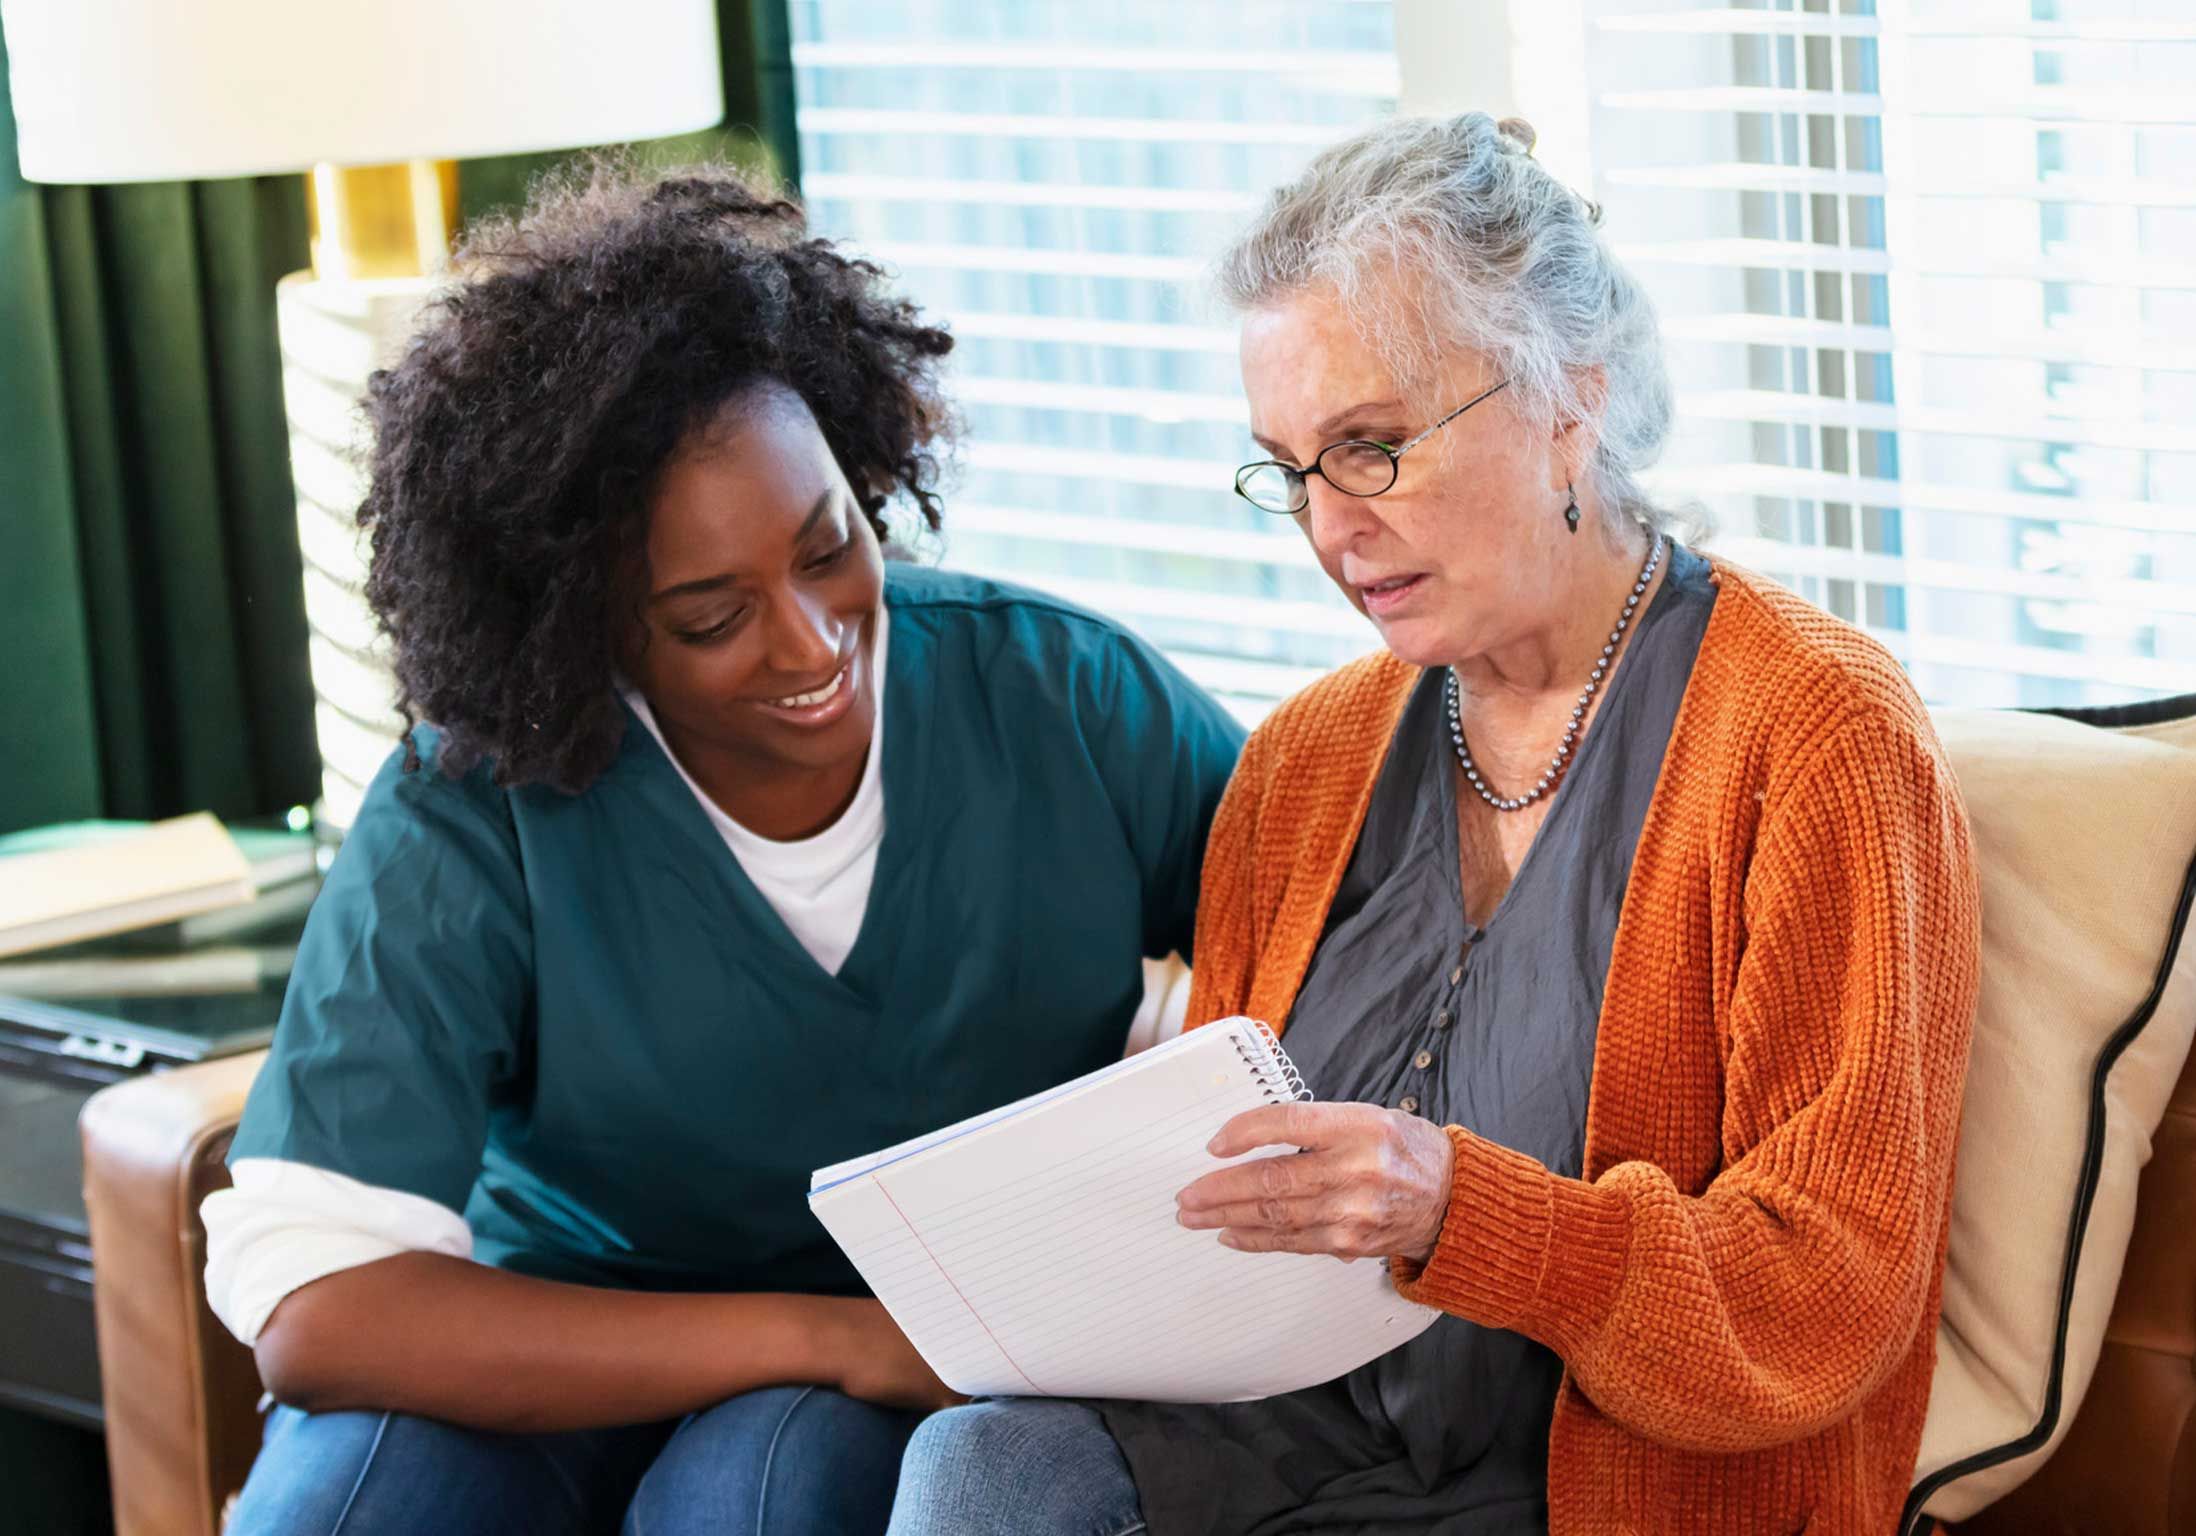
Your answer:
<point x="1744" y="1285"/>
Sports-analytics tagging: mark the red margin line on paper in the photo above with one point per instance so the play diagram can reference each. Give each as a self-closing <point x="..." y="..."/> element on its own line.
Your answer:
<point x="972" y="1312"/>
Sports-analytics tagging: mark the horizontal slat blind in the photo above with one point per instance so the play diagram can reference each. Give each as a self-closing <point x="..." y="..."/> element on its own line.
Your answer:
<point x="1927" y="269"/>
<point x="1051" y="181"/>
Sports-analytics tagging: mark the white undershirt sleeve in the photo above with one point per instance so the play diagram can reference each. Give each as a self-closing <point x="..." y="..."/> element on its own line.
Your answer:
<point x="285" y="1224"/>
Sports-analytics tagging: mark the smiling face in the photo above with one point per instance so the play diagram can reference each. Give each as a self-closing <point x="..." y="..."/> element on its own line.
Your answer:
<point x="1457" y="557"/>
<point x="763" y="580"/>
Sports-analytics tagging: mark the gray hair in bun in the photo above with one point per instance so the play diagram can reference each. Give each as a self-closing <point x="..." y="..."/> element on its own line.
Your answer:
<point x="1438" y="231"/>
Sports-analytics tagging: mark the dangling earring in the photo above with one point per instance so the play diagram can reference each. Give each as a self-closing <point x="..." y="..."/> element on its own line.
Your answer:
<point x="1570" y="513"/>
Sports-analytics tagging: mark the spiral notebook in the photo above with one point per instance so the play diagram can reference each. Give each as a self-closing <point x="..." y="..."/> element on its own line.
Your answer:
<point x="1033" y="1251"/>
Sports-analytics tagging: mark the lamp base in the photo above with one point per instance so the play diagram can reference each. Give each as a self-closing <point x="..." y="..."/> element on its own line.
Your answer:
<point x="333" y="334"/>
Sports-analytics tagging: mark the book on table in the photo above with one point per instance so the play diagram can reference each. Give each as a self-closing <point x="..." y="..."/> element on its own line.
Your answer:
<point x="166" y="871"/>
<point x="285" y="870"/>
<point x="1034" y="1250"/>
<point x="71" y="974"/>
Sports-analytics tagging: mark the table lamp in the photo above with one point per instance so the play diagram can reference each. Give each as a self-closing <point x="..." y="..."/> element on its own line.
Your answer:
<point x="375" y="100"/>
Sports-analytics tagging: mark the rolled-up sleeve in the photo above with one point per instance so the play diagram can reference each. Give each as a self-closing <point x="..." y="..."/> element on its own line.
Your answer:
<point x="282" y="1225"/>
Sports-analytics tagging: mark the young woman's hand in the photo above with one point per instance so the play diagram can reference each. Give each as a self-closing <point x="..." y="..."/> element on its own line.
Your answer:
<point x="1369" y="1182"/>
<point x="876" y="1363"/>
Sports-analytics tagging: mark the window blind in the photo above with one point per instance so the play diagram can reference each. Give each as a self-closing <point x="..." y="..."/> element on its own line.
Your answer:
<point x="1927" y="270"/>
<point x="1051" y="181"/>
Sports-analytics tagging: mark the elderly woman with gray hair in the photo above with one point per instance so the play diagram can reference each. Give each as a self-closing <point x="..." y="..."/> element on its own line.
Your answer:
<point x="1621" y="914"/>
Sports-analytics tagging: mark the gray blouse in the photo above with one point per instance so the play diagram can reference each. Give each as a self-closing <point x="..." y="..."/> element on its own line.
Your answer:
<point x="1407" y="1004"/>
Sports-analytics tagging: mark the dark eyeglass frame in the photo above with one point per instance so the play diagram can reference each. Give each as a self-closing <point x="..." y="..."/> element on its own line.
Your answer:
<point x="1300" y="497"/>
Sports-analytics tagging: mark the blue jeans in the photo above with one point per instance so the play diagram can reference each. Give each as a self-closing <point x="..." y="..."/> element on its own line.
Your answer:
<point x="1026" y="1466"/>
<point x="777" y="1462"/>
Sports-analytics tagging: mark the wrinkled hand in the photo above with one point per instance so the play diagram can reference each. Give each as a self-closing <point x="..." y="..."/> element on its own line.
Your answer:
<point x="1369" y="1181"/>
<point x="876" y="1363"/>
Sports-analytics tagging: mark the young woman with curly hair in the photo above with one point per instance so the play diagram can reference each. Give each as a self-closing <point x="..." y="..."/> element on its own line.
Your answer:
<point x="722" y="848"/>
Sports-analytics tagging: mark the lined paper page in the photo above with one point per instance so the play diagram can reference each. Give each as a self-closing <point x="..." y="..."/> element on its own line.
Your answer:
<point x="1036" y="1253"/>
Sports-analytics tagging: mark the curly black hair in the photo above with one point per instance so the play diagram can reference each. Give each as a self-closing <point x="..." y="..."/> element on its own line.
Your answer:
<point x="518" y="440"/>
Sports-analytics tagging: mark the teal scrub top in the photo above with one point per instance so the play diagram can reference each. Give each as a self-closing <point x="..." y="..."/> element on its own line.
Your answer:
<point x="575" y="1020"/>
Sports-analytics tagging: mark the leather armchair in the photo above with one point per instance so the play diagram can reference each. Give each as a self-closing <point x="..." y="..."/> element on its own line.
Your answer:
<point x="181" y="1394"/>
<point x="182" y="1425"/>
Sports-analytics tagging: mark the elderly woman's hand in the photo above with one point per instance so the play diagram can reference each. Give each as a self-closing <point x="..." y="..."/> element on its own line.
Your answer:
<point x="1369" y="1181"/>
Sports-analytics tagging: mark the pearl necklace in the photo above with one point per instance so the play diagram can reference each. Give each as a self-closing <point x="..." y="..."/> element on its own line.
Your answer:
<point x="1562" y="758"/>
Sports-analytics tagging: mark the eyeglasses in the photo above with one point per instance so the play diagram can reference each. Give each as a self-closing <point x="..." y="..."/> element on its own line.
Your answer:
<point x="1358" y="467"/>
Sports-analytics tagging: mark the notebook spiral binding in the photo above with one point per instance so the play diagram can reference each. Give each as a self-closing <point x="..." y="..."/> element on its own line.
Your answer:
<point x="1262" y="1053"/>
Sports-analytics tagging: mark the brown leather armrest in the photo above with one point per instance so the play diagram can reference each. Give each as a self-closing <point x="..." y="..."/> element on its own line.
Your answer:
<point x="181" y="1394"/>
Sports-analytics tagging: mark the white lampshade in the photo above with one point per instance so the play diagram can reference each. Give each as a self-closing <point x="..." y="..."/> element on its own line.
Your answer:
<point x="157" y="90"/>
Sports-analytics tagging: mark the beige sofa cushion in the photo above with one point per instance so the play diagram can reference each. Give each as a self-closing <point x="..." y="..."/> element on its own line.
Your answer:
<point x="2084" y="837"/>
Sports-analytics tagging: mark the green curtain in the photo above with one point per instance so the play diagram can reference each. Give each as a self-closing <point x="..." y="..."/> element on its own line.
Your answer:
<point x="149" y="576"/>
